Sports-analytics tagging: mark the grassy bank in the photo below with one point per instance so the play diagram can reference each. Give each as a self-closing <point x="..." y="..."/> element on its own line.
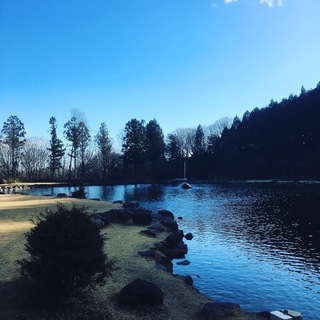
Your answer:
<point x="18" y="299"/>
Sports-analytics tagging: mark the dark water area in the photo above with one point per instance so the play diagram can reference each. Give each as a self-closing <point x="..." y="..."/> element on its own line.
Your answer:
<point x="256" y="244"/>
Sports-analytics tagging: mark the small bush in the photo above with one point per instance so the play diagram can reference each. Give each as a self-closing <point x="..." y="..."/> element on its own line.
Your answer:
<point x="66" y="252"/>
<point x="79" y="193"/>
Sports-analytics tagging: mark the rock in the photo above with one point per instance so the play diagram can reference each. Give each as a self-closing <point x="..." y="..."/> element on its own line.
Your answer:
<point x="157" y="227"/>
<point x="155" y="216"/>
<point x="98" y="222"/>
<point x="217" y="310"/>
<point x="170" y="224"/>
<point x="189" y="236"/>
<point x="149" y="233"/>
<point x="183" y="263"/>
<point x="141" y="216"/>
<point x="186" y="185"/>
<point x="141" y="292"/>
<point x="161" y="267"/>
<point x="131" y="204"/>
<point x="166" y="214"/>
<point x="118" y="202"/>
<point x="62" y="195"/>
<point x="186" y="279"/>
<point x="120" y="215"/>
<point x="175" y="238"/>
<point x="179" y="251"/>
<point x="147" y="253"/>
<point x="294" y="314"/>
<point x="164" y="260"/>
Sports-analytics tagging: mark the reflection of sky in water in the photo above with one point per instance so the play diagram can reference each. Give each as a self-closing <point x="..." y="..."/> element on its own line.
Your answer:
<point x="257" y="245"/>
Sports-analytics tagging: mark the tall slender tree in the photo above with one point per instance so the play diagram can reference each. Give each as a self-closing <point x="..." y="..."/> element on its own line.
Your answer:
<point x="56" y="148"/>
<point x="84" y="140"/>
<point x="71" y="133"/>
<point x="103" y="143"/>
<point x="13" y="136"/>
<point x="199" y="145"/>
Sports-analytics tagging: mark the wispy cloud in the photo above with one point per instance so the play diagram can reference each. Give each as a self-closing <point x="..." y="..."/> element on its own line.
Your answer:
<point x="271" y="3"/>
<point x="229" y="1"/>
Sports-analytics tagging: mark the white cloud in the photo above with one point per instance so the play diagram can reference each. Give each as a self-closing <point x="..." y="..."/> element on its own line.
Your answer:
<point x="271" y="3"/>
<point x="229" y="1"/>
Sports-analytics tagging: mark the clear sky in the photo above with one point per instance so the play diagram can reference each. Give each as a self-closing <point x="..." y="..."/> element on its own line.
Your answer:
<point x="182" y="62"/>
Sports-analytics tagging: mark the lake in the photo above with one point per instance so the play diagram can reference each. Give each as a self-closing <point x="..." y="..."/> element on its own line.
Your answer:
<point x="256" y="244"/>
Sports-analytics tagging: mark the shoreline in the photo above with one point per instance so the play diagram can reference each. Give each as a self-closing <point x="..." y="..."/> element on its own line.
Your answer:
<point x="15" y="212"/>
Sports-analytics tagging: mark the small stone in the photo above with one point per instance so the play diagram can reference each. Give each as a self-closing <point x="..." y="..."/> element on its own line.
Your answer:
<point x="183" y="263"/>
<point x="189" y="236"/>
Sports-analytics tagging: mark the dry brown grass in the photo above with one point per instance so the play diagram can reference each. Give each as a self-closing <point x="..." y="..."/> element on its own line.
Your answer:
<point x="18" y="299"/>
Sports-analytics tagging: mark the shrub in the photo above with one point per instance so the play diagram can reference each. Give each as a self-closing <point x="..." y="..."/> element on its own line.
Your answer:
<point x="79" y="193"/>
<point x="66" y="252"/>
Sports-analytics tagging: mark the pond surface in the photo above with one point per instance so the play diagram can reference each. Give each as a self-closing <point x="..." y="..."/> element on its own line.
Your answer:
<point x="256" y="244"/>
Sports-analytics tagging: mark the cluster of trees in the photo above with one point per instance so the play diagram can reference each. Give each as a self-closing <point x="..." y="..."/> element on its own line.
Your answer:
<point x="280" y="140"/>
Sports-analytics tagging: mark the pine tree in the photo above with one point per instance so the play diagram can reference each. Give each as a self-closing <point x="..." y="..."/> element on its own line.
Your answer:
<point x="56" y="149"/>
<point x="199" y="147"/>
<point x="104" y="145"/>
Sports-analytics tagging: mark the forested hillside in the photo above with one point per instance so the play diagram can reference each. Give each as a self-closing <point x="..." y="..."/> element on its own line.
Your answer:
<point x="281" y="140"/>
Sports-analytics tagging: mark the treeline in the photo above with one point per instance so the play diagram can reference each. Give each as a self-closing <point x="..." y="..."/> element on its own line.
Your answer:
<point x="281" y="140"/>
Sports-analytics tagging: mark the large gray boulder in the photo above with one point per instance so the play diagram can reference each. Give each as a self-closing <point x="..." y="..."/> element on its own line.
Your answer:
<point x="166" y="214"/>
<point x="170" y="224"/>
<point x="164" y="260"/>
<point x="141" y="216"/>
<point x="141" y="292"/>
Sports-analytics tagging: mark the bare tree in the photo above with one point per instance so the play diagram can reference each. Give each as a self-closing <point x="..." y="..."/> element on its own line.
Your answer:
<point x="34" y="159"/>
<point x="186" y="137"/>
<point x="217" y="128"/>
<point x="5" y="160"/>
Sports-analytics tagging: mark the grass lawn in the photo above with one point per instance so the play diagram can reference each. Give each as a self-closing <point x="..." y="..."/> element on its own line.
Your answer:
<point x="19" y="299"/>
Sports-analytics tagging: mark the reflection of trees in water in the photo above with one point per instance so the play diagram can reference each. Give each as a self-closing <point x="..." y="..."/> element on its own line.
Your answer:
<point x="144" y="193"/>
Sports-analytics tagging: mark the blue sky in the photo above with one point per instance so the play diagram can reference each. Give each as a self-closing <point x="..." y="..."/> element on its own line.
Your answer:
<point x="182" y="62"/>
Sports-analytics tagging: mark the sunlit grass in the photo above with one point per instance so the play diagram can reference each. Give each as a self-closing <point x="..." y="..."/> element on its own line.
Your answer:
<point x="18" y="299"/>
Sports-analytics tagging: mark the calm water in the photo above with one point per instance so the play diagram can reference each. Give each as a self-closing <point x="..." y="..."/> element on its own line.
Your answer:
<point x="254" y="244"/>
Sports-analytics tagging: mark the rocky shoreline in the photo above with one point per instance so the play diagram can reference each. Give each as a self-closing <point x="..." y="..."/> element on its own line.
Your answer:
<point x="173" y="246"/>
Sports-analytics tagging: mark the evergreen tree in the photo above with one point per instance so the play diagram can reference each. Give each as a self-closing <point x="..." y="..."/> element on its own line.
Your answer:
<point x="56" y="149"/>
<point x="174" y="149"/>
<point x="104" y="146"/>
<point x="71" y="133"/>
<point x="154" y="145"/>
<point x="134" y="144"/>
<point x="14" y="133"/>
<point x="199" y="145"/>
